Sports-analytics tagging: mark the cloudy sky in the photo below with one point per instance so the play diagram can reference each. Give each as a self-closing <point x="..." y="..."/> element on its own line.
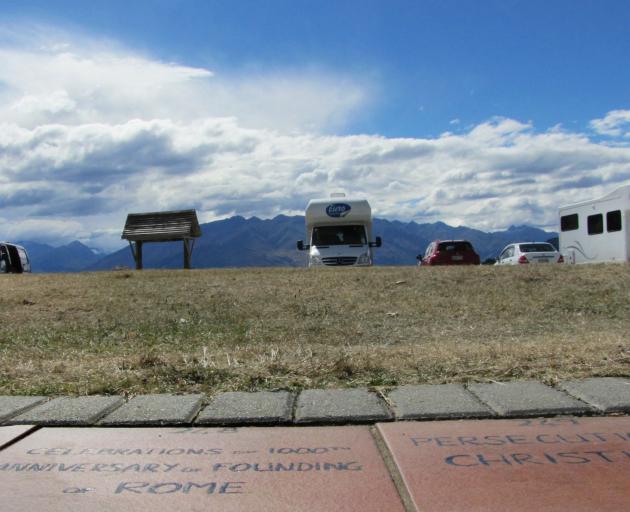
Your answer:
<point x="485" y="114"/>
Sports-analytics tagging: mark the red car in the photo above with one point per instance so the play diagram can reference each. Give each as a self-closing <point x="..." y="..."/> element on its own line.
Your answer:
<point x="449" y="252"/>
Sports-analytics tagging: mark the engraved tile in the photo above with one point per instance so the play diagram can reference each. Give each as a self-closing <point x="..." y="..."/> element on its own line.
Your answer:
<point x="186" y="469"/>
<point x="9" y="434"/>
<point x="560" y="464"/>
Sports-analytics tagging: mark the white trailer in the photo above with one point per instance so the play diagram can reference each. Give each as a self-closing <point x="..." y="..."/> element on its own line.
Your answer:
<point x="339" y="232"/>
<point x="597" y="231"/>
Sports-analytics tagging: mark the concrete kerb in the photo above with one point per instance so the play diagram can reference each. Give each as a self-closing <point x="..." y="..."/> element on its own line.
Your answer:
<point x="607" y="394"/>
<point x="258" y="408"/>
<point x="340" y="406"/>
<point x="155" y="410"/>
<point x="67" y="411"/>
<point x="442" y="401"/>
<point x="11" y="406"/>
<point x="527" y="398"/>
<point x="595" y="396"/>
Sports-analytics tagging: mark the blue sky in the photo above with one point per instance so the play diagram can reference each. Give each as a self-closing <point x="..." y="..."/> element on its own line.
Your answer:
<point x="434" y="61"/>
<point x="436" y="110"/>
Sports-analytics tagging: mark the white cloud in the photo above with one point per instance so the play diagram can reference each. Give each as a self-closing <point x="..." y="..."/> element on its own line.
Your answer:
<point x="66" y="79"/>
<point x="45" y="230"/>
<point x="91" y="132"/>
<point x="63" y="173"/>
<point x="616" y="123"/>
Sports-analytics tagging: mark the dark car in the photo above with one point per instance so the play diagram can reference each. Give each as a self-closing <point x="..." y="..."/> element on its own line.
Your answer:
<point x="449" y="252"/>
<point x="13" y="258"/>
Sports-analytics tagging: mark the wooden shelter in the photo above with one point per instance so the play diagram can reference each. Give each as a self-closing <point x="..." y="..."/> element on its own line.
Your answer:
<point x="161" y="227"/>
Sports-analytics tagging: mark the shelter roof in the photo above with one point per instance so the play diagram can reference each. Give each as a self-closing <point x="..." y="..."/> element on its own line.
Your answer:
<point x="161" y="226"/>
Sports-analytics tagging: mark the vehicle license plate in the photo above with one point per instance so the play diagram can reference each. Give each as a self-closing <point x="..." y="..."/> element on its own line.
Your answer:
<point x="543" y="260"/>
<point x="457" y="257"/>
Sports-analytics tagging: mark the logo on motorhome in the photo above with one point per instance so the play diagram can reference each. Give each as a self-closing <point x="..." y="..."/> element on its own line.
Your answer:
<point x="338" y="210"/>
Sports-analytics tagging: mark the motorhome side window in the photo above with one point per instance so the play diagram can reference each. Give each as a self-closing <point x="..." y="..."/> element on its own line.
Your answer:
<point x="613" y="221"/>
<point x="569" y="222"/>
<point x="595" y="224"/>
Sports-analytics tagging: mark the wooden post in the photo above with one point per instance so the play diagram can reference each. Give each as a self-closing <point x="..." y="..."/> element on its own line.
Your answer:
<point x="138" y="254"/>
<point x="186" y="253"/>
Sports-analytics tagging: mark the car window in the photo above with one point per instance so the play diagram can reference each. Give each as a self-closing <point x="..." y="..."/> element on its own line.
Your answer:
<point x="23" y="256"/>
<point x="4" y="259"/>
<point x="455" y="246"/>
<point x="536" y="248"/>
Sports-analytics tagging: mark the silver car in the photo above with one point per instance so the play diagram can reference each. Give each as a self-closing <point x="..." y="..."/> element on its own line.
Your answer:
<point x="529" y="252"/>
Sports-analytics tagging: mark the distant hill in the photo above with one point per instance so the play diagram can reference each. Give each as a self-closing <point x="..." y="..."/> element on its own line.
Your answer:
<point x="233" y="242"/>
<point x="72" y="257"/>
<point x="402" y="242"/>
<point x="240" y="242"/>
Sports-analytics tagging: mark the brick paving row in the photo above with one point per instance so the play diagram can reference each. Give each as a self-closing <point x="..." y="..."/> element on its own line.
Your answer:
<point x="595" y="396"/>
<point x="559" y="463"/>
<point x="498" y="447"/>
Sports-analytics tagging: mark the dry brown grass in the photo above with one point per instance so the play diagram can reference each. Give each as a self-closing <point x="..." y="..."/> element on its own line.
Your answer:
<point x="248" y="329"/>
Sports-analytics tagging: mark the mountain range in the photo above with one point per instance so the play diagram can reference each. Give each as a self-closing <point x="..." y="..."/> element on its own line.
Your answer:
<point x="253" y="242"/>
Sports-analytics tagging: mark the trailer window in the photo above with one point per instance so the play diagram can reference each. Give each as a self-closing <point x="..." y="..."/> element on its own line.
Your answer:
<point x="569" y="222"/>
<point x="595" y="224"/>
<point x="613" y="221"/>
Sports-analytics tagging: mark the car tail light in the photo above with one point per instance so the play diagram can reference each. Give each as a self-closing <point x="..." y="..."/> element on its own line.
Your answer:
<point x="561" y="259"/>
<point x="523" y="259"/>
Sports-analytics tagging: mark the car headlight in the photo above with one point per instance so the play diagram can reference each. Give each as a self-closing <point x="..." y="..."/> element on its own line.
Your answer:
<point x="364" y="259"/>
<point x="316" y="260"/>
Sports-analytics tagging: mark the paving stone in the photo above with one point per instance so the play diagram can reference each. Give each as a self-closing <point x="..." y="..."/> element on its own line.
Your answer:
<point x="10" y="433"/>
<point x="440" y="401"/>
<point x="340" y="406"/>
<point x="79" y="411"/>
<point x="283" y="469"/>
<point x="556" y="464"/>
<point x="155" y="410"/>
<point x="527" y="398"/>
<point x="608" y="394"/>
<point x="264" y="407"/>
<point x="13" y="405"/>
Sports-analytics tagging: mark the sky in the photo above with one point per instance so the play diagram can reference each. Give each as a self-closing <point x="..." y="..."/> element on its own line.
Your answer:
<point x="480" y="113"/>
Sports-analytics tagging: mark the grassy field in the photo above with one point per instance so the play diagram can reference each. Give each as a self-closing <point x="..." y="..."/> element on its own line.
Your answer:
<point x="129" y="332"/>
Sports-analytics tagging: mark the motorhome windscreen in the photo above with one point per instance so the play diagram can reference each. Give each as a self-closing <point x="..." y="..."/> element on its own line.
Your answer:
<point x="536" y="248"/>
<point x="338" y="235"/>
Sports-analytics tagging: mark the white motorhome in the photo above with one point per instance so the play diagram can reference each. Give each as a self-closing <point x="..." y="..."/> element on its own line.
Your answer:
<point x="339" y="232"/>
<point x="597" y="231"/>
